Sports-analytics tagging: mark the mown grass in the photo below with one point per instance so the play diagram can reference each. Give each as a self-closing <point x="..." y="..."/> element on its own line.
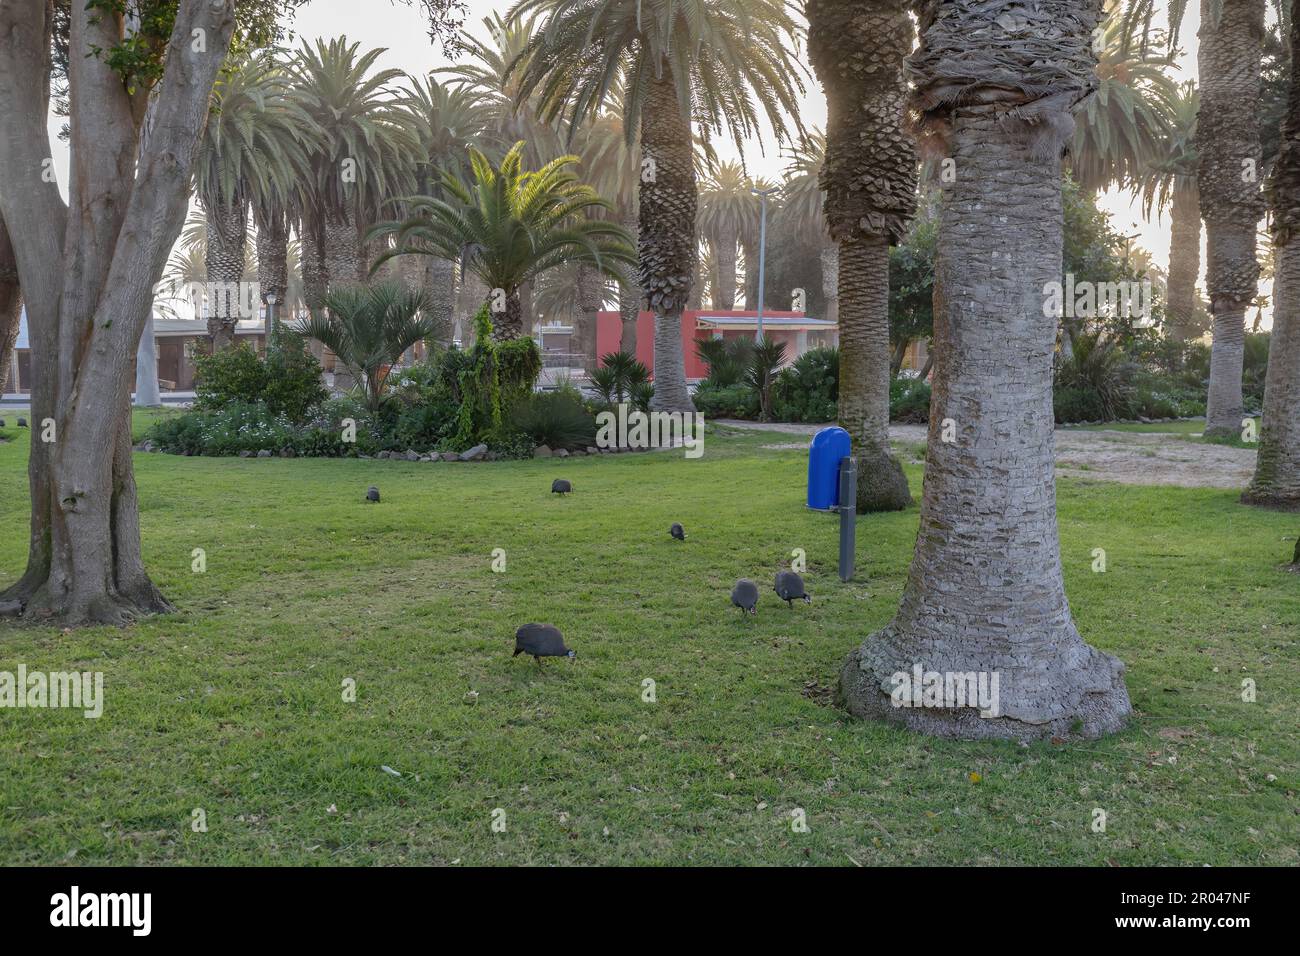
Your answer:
<point x="234" y="704"/>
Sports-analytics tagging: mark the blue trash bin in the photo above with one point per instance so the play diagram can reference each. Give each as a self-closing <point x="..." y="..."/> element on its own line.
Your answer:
<point x="828" y="448"/>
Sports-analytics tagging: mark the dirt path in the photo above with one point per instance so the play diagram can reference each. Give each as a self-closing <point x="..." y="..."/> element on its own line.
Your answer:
<point x="1133" y="458"/>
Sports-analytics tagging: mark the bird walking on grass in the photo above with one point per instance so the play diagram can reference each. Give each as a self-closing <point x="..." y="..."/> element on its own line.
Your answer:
<point x="372" y="493"/>
<point x="745" y="596"/>
<point x="677" y="532"/>
<point x="789" y="588"/>
<point x="561" y="486"/>
<point x="541" y="640"/>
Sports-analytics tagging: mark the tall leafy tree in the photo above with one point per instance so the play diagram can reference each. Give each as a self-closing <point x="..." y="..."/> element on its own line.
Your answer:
<point x="717" y="64"/>
<point x="803" y="200"/>
<point x="512" y="225"/>
<point x="869" y="177"/>
<point x="1276" y="482"/>
<point x="1168" y="180"/>
<point x="138" y="96"/>
<point x="984" y="592"/>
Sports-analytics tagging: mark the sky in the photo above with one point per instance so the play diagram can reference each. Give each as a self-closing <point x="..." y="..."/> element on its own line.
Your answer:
<point x="401" y="29"/>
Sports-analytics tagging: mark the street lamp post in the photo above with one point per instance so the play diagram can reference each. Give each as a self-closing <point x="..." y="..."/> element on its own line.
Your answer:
<point x="272" y="301"/>
<point x="762" y="195"/>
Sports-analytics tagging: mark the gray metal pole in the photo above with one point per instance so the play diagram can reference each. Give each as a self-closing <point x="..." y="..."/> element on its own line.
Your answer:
<point x="848" y="515"/>
<point x="762" y="195"/>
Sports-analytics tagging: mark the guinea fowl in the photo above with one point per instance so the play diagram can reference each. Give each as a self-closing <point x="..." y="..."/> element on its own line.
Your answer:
<point x="745" y="596"/>
<point x="789" y="588"/>
<point x="372" y="493"/>
<point x="541" y="640"/>
<point x="561" y="486"/>
<point x="677" y="532"/>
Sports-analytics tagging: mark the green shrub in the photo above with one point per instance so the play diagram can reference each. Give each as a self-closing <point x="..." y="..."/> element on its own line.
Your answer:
<point x="226" y="431"/>
<point x="556" y="419"/>
<point x="729" y="401"/>
<point x="909" y="401"/>
<point x="1076" y="405"/>
<point x="1097" y="364"/>
<point x="287" y="382"/>
<point x="809" y="389"/>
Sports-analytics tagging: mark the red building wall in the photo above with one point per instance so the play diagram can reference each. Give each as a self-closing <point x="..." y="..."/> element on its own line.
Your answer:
<point x="609" y="331"/>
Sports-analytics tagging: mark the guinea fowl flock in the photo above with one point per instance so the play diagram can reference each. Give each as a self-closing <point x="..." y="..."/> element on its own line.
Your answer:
<point x="545" y="640"/>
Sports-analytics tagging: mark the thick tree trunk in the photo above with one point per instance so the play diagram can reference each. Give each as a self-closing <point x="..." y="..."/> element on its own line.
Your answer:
<point x="507" y="324"/>
<point x="315" y="275"/>
<point x="147" y="393"/>
<point x="89" y="277"/>
<point x="11" y="301"/>
<point x="750" y="251"/>
<point x="668" y="251"/>
<point x="984" y="593"/>
<point x="1227" y="140"/>
<point x="344" y="261"/>
<point x="864" y="373"/>
<point x="227" y="237"/>
<point x="590" y="301"/>
<point x="1184" y="261"/>
<point x="439" y="281"/>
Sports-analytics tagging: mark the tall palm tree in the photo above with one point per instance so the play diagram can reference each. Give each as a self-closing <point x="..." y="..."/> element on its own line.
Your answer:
<point x="512" y="225"/>
<point x="1124" y="124"/>
<point x="1169" y="180"/>
<point x="869" y="177"/>
<point x="802" y="202"/>
<point x="984" y="593"/>
<point x="1227" y="142"/>
<point x="727" y="60"/>
<point x="1276" y="482"/>
<point x="749" y="237"/>
<point x="364" y="153"/>
<point x="448" y="120"/>
<point x="251" y="153"/>
<point x="727" y="211"/>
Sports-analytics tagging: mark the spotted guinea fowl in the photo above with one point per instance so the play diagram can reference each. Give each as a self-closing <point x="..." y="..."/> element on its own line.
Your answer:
<point x="677" y="532"/>
<point x="745" y="596"/>
<point x="789" y="588"/>
<point x="372" y="493"/>
<point x="561" y="486"/>
<point x="541" y="640"/>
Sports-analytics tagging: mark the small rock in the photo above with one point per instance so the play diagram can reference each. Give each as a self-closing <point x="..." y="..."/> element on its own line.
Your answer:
<point x="288" y="453"/>
<point x="383" y="454"/>
<point x="264" y="453"/>
<point x="475" y="453"/>
<point x="591" y="450"/>
<point x="245" y="454"/>
<point x="412" y="455"/>
<point x="542" y="451"/>
<point x="561" y="453"/>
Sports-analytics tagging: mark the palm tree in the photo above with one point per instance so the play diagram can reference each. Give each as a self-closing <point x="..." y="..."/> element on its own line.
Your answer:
<point x="869" y="177"/>
<point x="727" y="211"/>
<point x="984" y="593"/>
<point x="364" y="153"/>
<point x="727" y="59"/>
<point x="1276" y="482"/>
<point x="1124" y="125"/>
<point x="369" y="327"/>
<point x="251" y="153"/>
<point x="1169" y="180"/>
<point x="801" y="206"/>
<point x="749" y="237"/>
<point x="448" y="120"/>
<point x="512" y="225"/>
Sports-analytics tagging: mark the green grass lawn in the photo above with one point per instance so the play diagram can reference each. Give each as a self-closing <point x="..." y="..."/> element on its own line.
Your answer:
<point x="234" y="705"/>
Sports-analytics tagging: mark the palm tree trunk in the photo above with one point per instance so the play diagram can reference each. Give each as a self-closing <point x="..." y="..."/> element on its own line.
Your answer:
<point x="864" y="372"/>
<point x="1227" y="137"/>
<point x="750" y="250"/>
<point x="984" y="594"/>
<point x="724" y="255"/>
<point x="227" y="224"/>
<point x="830" y="257"/>
<point x="590" y="300"/>
<point x="668" y="251"/>
<point x="1277" y="465"/>
<point x="439" y="282"/>
<point x="1184" y="261"/>
<point x="272" y="267"/>
<point x="315" y="275"/>
<point x="342" y="248"/>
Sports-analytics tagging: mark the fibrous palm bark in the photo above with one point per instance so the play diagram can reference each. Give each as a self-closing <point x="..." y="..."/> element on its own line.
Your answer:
<point x="1277" y="466"/>
<point x="590" y="299"/>
<point x="830" y="257"/>
<point x="724" y="254"/>
<point x="629" y="303"/>
<point x="439" y="281"/>
<point x="1227" y="144"/>
<point x="1184" y="261"/>
<point x="666" y="234"/>
<point x="227" y="236"/>
<point x="272" y="263"/>
<point x="995" y="85"/>
<point x="869" y="177"/>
